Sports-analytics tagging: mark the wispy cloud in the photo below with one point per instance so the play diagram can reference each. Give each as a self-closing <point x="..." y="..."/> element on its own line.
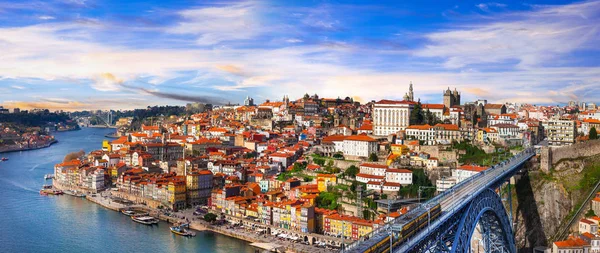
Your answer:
<point x="213" y="25"/>
<point x="18" y="87"/>
<point x="531" y="38"/>
<point x="486" y="6"/>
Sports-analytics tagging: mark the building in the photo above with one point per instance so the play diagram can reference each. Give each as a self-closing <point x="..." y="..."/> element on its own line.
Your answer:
<point x="451" y="98"/>
<point x="561" y="132"/>
<point x="359" y="146"/>
<point x="588" y="226"/>
<point x="391" y="116"/>
<point x="494" y="109"/>
<point x="199" y="185"/>
<point x="249" y="101"/>
<point x="571" y="245"/>
<point x="432" y="135"/>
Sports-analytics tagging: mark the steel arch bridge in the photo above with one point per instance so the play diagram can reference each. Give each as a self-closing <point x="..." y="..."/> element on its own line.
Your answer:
<point x="473" y="216"/>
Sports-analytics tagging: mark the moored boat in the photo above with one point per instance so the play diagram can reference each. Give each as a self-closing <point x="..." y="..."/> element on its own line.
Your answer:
<point x="128" y="212"/>
<point x="181" y="230"/>
<point x="48" y="176"/>
<point x="75" y="194"/>
<point x="146" y="220"/>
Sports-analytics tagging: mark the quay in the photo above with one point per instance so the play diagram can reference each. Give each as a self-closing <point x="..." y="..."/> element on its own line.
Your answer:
<point x="105" y="199"/>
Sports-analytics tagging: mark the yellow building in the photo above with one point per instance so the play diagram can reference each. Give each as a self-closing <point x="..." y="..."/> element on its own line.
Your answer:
<point x="323" y="180"/>
<point x="106" y="146"/>
<point x="399" y="149"/>
<point x="176" y="193"/>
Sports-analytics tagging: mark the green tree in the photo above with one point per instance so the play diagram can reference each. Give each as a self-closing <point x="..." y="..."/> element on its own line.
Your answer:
<point x="210" y="217"/>
<point x="416" y="115"/>
<point x="593" y="133"/>
<point x="338" y="156"/>
<point x="373" y="157"/>
<point x="351" y="171"/>
<point x="590" y="213"/>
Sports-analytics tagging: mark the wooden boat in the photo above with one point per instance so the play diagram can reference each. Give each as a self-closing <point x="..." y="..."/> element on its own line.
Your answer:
<point x="4" y="159"/>
<point x="182" y="230"/>
<point x="146" y="220"/>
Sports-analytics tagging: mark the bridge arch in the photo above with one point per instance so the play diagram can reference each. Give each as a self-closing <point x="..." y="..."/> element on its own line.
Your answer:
<point x="497" y="235"/>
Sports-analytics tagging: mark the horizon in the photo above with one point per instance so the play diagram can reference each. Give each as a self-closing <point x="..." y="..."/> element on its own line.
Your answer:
<point x="76" y="55"/>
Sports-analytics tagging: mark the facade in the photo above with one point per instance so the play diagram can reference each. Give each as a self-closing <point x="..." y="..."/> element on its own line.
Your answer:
<point x="360" y="146"/>
<point x="451" y="98"/>
<point x="391" y="116"/>
<point x="431" y="135"/>
<point x="561" y="132"/>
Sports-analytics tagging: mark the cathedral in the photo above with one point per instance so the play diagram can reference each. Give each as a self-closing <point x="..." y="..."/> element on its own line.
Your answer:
<point x="451" y="98"/>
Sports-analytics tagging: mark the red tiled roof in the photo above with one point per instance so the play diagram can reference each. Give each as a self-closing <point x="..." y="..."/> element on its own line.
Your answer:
<point x="373" y="165"/>
<point x="360" y="138"/>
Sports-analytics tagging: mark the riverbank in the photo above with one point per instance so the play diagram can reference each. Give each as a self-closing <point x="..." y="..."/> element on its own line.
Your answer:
<point x="18" y="149"/>
<point x="107" y="200"/>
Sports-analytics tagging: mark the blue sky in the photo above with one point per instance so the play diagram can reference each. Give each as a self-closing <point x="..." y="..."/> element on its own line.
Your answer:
<point x="78" y="54"/>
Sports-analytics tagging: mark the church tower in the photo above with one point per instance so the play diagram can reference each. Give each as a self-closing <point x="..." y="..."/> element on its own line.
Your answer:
<point x="411" y="95"/>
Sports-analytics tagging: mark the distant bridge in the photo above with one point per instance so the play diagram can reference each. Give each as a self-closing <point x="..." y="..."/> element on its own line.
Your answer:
<point x="472" y="215"/>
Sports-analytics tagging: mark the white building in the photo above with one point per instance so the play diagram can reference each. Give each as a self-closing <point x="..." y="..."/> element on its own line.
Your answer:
<point x="431" y="135"/>
<point x="97" y="180"/>
<point x="359" y="146"/>
<point x="373" y="169"/>
<point x="391" y="116"/>
<point x="401" y="176"/>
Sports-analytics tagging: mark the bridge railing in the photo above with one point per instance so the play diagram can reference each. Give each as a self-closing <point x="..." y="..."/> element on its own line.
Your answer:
<point x="386" y="228"/>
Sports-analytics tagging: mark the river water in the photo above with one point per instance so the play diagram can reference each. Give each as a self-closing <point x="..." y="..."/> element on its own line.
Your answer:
<point x="33" y="223"/>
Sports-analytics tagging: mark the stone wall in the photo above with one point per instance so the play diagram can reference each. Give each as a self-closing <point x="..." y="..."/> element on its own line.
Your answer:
<point x="443" y="155"/>
<point x="551" y="156"/>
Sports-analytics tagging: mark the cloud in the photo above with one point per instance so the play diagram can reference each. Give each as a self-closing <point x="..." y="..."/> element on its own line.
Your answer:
<point x="214" y="25"/>
<point x="45" y="17"/>
<point x="107" y="82"/>
<point x="231" y="69"/>
<point x="70" y="105"/>
<point x="293" y="40"/>
<point x="530" y="38"/>
<point x="486" y="6"/>
<point x="18" y="87"/>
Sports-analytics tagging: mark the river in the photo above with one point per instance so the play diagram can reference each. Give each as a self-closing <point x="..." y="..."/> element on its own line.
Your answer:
<point x="33" y="223"/>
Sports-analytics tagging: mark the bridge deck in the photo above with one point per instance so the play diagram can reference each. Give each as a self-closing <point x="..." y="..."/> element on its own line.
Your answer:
<point x="451" y="200"/>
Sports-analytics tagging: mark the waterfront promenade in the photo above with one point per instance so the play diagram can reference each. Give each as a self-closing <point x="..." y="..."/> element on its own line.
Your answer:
<point x="107" y="200"/>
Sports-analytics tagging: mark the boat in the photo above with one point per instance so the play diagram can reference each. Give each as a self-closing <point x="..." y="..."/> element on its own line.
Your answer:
<point x="48" y="176"/>
<point x="49" y="190"/>
<point x="128" y="212"/>
<point x="182" y="230"/>
<point x="4" y="159"/>
<point x="75" y="194"/>
<point x="146" y="220"/>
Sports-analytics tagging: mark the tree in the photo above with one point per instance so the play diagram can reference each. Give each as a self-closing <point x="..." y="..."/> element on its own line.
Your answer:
<point x="373" y="157"/>
<point x="338" y="156"/>
<point x="210" y="217"/>
<point x="351" y="171"/>
<point x="593" y="133"/>
<point x="416" y="115"/>
<point x="590" y="213"/>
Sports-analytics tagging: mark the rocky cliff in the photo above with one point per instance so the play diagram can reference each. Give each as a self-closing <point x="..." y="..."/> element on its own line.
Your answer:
<point x="545" y="201"/>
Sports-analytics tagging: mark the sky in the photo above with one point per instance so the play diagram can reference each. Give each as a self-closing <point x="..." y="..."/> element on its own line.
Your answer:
<point x="92" y="54"/>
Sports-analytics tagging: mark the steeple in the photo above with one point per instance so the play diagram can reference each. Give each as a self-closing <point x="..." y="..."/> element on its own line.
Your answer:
<point x="411" y="95"/>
